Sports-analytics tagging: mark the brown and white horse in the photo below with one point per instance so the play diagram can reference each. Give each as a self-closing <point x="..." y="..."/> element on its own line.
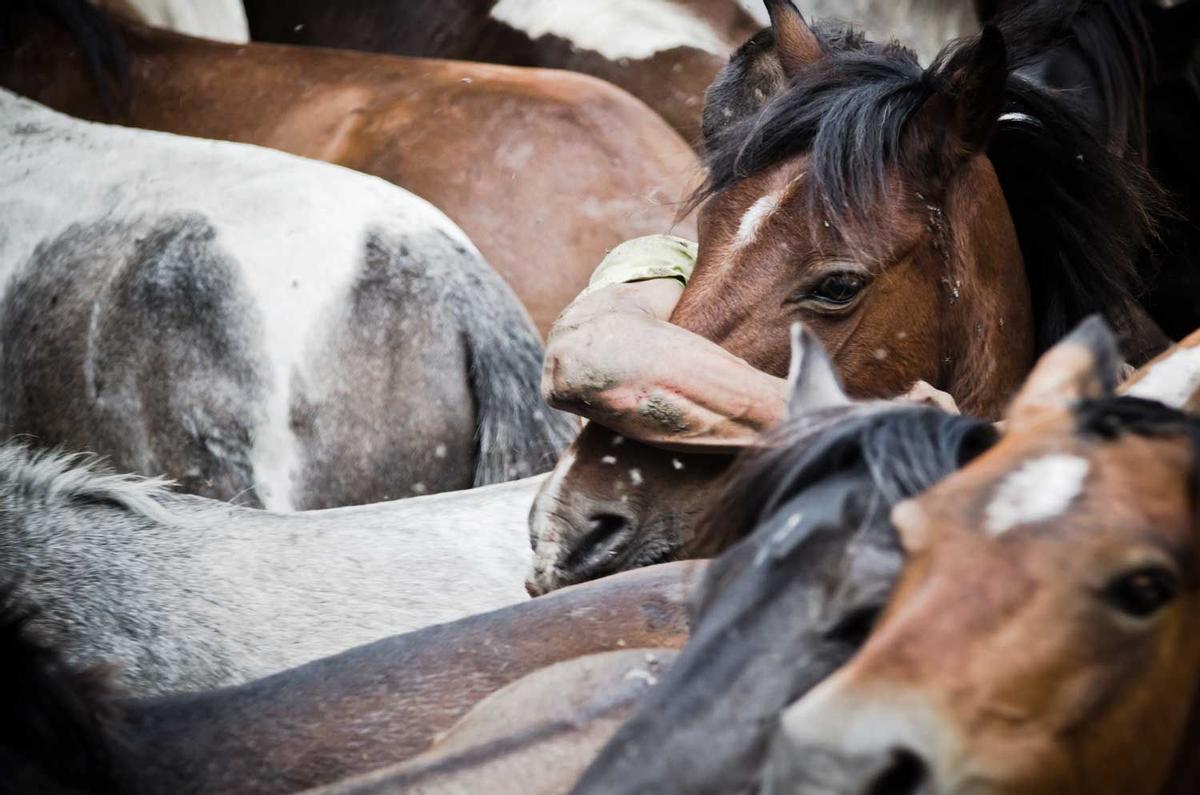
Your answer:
<point x="854" y="190"/>
<point x="544" y="170"/>
<point x="1043" y="636"/>
<point x="665" y="52"/>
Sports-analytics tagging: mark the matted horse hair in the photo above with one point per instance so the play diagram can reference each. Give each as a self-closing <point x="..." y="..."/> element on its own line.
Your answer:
<point x="51" y="477"/>
<point x="906" y="449"/>
<point x="1112" y="35"/>
<point x="99" y="40"/>
<point x="61" y="728"/>
<point x="1083" y="213"/>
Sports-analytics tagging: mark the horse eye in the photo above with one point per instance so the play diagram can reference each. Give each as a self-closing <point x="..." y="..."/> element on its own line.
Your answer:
<point x="839" y="289"/>
<point x="1142" y="593"/>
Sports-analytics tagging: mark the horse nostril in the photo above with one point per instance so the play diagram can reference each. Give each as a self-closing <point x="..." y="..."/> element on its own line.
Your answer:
<point x="600" y="544"/>
<point x="903" y="776"/>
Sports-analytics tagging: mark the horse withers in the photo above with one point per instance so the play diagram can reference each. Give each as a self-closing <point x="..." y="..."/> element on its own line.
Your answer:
<point x="1044" y="624"/>
<point x="854" y="190"/>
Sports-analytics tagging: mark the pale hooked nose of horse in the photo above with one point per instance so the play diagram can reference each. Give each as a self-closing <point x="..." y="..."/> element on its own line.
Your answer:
<point x="834" y="744"/>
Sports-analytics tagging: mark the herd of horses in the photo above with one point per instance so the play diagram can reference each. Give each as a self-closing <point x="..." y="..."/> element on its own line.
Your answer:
<point x="323" y="380"/>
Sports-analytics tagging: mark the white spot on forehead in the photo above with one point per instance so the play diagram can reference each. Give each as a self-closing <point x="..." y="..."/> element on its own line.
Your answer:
<point x="614" y="28"/>
<point x="1041" y="489"/>
<point x="1174" y="381"/>
<point x="754" y="219"/>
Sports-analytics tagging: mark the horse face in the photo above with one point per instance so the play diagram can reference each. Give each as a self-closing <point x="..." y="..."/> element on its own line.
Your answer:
<point x="930" y="287"/>
<point x="614" y="504"/>
<point x="1046" y="617"/>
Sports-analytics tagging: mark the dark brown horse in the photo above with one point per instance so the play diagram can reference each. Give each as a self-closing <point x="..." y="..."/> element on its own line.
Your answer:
<point x="854" y="190"/>
<point x="545" y="171"/>
<point x="366" y="708"/>
<point x="1043" y="635"/>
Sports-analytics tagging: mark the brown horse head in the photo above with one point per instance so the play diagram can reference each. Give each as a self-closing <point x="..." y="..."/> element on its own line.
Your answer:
<point x="1044" y="636"/>
<point x="858" y="200"/>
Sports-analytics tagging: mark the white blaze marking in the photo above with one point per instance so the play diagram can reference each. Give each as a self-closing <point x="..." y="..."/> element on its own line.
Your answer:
<point x="754" y="219"/>
<point x="1174" y="381"/>
<point x="614" y="28"/>
<point x="1041" y="489"/>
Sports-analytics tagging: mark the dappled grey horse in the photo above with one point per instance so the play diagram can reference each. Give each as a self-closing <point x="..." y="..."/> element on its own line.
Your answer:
<point x="186" y="593"/>
<point x="259" y="327"/>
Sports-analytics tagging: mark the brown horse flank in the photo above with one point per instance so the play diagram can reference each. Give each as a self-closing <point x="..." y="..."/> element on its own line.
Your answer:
<point x="372" y="706"/>
<point x="852" y="189"/>
<point x="664" y="52"/>
<point x="1042" y="637"/>
<point x="498" y="149"/>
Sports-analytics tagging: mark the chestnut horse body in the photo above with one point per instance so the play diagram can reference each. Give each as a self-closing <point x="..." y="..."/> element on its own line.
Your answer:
<point x="863" y="198"/>
<point x="545" y="171"/>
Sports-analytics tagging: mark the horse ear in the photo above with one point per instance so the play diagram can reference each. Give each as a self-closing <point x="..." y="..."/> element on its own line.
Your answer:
<point x="813" y="383"/>
<point x="961" y="117"/>
<point x="795" y="42"/>
<point x="1172" y="378"/>
<point x="1083" y="365"/>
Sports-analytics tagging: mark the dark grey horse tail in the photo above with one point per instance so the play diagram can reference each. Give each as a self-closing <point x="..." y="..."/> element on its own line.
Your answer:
<point x="516" y="433"/>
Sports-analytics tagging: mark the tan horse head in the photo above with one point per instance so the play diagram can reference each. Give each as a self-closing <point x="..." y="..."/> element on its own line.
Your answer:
<point x="1045" y="633"/>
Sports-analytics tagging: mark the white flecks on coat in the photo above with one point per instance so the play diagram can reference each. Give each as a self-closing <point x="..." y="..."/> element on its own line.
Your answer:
<point x="675" y="462"/>
<point x="635" y="477"/>
<point x="614" y="28"/>
<point x="754" y="220"/>
<point x="609" y="459"/>
<point x="1041" y="489"/>
<point x="1174" y="381"/>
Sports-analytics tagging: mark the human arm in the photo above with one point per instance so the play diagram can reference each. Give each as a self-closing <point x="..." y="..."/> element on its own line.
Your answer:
<point x="614" y="358"/>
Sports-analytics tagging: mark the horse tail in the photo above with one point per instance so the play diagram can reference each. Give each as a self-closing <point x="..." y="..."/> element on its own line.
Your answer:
<point x="516" y="433"/>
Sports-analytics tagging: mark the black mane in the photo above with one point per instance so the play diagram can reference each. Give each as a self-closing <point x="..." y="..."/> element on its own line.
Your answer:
<point x="57" y="733"/>
<point x="1113" y="417"/>
<point x="99" y="38"/>
<point x="904" y="448"/>
<point x="791" y="602"/>
<point x="1083" y="213"/>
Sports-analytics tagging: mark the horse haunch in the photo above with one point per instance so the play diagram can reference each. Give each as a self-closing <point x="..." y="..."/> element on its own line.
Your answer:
<point x="234" y="330"/>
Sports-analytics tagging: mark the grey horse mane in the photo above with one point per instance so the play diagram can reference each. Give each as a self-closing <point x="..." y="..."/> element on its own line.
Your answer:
<point x="55" y="477"/>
